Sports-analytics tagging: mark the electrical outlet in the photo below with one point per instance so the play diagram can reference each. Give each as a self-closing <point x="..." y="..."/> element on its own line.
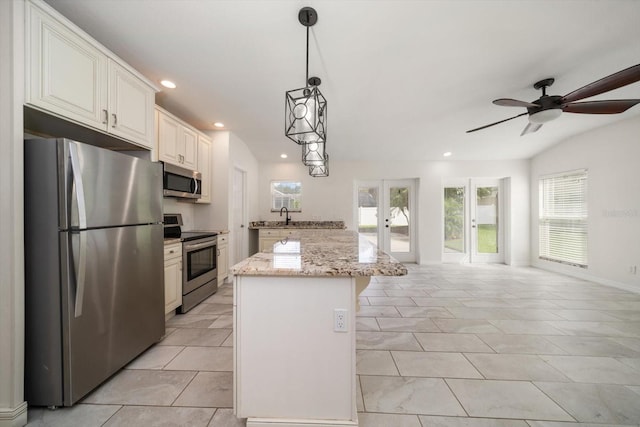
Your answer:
<point x="340" y="320"/>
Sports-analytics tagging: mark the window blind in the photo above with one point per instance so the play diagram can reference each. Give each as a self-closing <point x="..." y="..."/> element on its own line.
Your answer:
<point x="563" y="218"/>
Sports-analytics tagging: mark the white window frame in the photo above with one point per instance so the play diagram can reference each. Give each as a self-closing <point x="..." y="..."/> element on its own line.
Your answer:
<point x="563" y="218"/>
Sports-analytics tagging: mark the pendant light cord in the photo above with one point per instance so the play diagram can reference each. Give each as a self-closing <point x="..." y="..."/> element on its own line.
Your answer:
<point x="306" y="82"/>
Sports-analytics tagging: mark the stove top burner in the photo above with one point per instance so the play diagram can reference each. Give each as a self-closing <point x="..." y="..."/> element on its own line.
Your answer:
<point x="173" y="229"/>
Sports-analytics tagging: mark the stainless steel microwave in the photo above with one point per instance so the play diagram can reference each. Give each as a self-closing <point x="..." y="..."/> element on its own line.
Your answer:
<point x="181" y="182"/>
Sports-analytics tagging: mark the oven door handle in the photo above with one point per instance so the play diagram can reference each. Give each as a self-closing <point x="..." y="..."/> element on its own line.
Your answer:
<point x="195" y="246"/>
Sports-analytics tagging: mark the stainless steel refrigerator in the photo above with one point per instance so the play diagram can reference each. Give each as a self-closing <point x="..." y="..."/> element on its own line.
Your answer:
<point x="94" y="282"/>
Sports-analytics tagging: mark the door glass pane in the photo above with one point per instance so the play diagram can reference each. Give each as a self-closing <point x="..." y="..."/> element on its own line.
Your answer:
<point x="398" y="220"/>
<point x="487" y="220"/>
<point x="368" y="213"/>
<point x="454" y="220"/>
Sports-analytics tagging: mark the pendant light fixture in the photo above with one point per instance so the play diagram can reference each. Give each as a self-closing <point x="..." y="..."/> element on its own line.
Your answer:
<point x="306" y="108"/>
<point x="313" y="153"/>
<point x="320" y="170"/>
<point x="306" y="112"/>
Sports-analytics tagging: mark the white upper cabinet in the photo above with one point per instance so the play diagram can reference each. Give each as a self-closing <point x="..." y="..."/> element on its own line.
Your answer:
<point x="177" y="142"/>
<point x="131" y="105"/>
<point x="70" y="75"/>
<point x="204" y="167"/>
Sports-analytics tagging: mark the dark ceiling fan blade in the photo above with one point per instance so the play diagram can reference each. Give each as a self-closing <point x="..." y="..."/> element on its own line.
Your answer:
<point x="508" y="102"/>
<point x="614" y="81"/>
<point x="496" y="123"/>
<point x="530" y="128"/>
<point x="600" y="107"/>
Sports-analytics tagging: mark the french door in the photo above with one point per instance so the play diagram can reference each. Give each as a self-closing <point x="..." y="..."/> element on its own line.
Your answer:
<point x="472" y="221"/>
<point x="386" y="215"/>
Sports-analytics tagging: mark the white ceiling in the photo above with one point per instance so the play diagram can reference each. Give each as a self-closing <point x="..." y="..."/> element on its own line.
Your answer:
<point x="403" y="79"/>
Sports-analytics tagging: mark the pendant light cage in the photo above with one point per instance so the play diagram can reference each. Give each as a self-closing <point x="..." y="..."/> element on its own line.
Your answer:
<point x="320" y="170"/>
<point x="313" y="153"/>
<point x="305" y="115"/>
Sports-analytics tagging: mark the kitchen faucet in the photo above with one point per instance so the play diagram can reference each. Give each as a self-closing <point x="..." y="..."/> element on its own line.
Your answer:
<point x="287" y="217"/>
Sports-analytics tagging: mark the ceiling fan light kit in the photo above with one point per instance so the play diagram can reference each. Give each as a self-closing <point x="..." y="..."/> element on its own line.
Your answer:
<point x="550" y="107"/>
<point x="306" y="112"/>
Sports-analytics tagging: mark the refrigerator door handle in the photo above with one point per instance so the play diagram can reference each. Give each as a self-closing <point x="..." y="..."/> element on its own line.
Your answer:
<point x="81" y="273"/>
<point x="77" y="179"/>
<point x="82" y="224"/>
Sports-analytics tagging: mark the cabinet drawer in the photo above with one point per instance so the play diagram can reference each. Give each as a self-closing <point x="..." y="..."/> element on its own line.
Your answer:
<point x="173" y="251"/>
<point x="223" y="239"/>
<point x="269" y="232"/>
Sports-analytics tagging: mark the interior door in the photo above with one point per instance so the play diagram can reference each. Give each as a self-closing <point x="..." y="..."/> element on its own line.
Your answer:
<point x="472" y="221"/>
<point x="239" y="243"/>
<point x="386" y="216"/>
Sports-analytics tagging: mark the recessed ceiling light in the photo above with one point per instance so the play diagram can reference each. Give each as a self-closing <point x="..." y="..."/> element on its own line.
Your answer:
<point x="447" y="154"/>
<point x="219" y="124"/>
<point x="284" y="156"/>
<point x="168" y="83"/>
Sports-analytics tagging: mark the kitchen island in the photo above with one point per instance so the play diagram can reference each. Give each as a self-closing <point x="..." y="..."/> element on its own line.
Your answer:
<point x="294" y="328"/>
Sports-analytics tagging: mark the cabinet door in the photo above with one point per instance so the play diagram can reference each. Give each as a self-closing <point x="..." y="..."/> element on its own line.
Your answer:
<point x="189" y="148"/>
<point x="168" y="139"/>
<point x="131" y="104"/>
<point x="223" y="263"/>
<point x="204" y="167"/>
<point x="66" y="75"/>
<point x="266" y="243"/>
<point x="172" y="284"/>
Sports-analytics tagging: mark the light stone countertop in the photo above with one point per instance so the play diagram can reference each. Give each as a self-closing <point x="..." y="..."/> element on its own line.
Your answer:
<point x="321" y="253"/>
<point x="256" y="225"/>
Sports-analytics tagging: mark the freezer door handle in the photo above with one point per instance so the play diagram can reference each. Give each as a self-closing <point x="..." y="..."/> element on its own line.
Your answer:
<point x="77" y="180"/>
<point x="82" y="224"/>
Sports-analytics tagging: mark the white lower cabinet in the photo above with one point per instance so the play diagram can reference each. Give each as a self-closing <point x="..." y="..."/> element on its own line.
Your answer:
<point x="223" y="258"/>
<point x="172" y="277"/>
<point x="267" y="237"/>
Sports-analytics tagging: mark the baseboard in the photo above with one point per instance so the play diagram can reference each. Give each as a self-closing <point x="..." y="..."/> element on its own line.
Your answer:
<point x="586" y="276"/>
<point x="282" y="422"/>
<point x="16" y="417"/>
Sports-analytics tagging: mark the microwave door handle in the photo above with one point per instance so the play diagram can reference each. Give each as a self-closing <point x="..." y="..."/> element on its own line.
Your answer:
<point x="82" y="224"/>
<point x="195" y="181"/>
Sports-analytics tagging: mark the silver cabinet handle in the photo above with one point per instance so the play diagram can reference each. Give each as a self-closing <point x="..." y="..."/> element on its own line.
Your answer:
<point x="106" y="117"/>
<point x="115" y="120"/>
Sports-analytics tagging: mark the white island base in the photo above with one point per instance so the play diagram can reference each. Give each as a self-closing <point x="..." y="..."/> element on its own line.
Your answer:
<point x="292" y="368"/>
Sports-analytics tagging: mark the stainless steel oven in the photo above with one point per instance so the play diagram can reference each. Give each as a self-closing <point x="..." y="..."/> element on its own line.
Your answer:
<point x="199" y="271"/>
<point x="199" y="261"/>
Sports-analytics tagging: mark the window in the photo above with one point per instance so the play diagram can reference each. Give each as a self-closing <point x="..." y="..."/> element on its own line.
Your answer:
<point x="563" y="218"/>
<point x="286" y="194"/>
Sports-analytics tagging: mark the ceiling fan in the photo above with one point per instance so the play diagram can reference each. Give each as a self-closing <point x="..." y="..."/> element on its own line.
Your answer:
<point x="550" y="107"/>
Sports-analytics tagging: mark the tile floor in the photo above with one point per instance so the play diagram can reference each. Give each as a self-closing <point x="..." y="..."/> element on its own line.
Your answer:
<point x="445" y="346"/>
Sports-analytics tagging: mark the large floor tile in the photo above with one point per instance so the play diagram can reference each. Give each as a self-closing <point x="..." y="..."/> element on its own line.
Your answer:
<point x="429" y="396"/>
<point x="78" y="415"/>
<point x="589" y="369"/>
<point x="377" y="311"/>
<point x="407" y="324"/>
<point x="160" y="416"/>
<point x="435" y="421"/>
<point x="213" y="309"/>
<point x="428" y="312"/>
<point x="155" y="357"/>
<point x="375" y="362"/>
<point x="190" y="320"/>
<point x="399" y="301"/>
<point x="224" y="321"/>
<point x="466" y="326"/>
<point x="514" y="367"/>
<point x="520" y="344"/>
<point x="367" y="324"/>
<point x="585" y="315"/>
<point x="141" y="387"/>
<point x="506" y="399"/>
<point x="225" y="417"/>
<point x="208" y="390"/>
<point x="568" y="424"/>
<point x="592" y="346"/>
<point x="387" y="420"/>
<point x="386" y="341"/>
<point x="197" y="337"/>
<point x="595" y="403"/>
<point x="526" y="327"/>
<point x="434" y="364"/>
<point x="452" y="342"/>
<point x="203" y="359"/>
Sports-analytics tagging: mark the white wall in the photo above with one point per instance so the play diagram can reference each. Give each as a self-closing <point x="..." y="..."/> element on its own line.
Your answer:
<point x="612" y="156"/>
<point x="332" y="198"/>
<point x="13" y="408"/>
